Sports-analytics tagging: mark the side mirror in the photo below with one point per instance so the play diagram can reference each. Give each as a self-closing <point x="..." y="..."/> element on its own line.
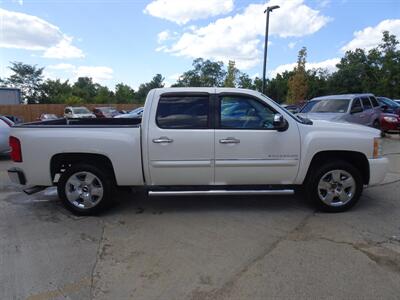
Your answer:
<point x="384" y="107"/>
<point x="355" y="110"/>
<point x="280" y="123"/>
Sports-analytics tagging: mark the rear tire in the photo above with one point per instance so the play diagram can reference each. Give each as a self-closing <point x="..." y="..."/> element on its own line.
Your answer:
<point x="334" y="186"/>
<point x="85" y="189"/>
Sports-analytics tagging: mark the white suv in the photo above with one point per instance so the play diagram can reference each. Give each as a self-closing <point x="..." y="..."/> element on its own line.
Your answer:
<point x="77" y="112"/>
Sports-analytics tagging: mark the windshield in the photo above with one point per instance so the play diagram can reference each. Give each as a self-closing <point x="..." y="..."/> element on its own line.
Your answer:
<point x="388" y="102"/>
<point x="137" y="110"/>
<point x="80" y="110"/>
<point x="107" y="109"/>
<point x="308" y="106"/>
<point x="331" y="106"/>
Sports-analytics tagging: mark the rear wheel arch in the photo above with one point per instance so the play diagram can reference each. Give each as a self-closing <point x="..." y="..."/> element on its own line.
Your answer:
<point x="59" y="163"/>
<point x="356" y="159"/>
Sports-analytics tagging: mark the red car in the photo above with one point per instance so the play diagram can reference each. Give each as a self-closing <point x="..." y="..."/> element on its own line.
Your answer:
<point x="105" y="112"/>
<point x="390" y="123"/>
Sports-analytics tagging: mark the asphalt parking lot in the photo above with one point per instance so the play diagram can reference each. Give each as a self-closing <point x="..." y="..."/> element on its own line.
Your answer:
<point x="201" y="248"/>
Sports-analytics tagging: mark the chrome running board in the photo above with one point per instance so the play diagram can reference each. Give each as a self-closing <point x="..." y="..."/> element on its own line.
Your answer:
<point x="221" y="192"/>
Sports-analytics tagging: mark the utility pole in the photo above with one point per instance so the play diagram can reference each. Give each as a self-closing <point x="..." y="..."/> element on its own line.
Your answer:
<point x="268" y="10"/>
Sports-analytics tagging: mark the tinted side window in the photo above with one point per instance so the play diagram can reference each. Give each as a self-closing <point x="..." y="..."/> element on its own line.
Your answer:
<point x="374" y="101"/>
<point x="238" y="112"/>
<point x="366" y="103"/>
<point x="356" y="103"/>
<point x="186" y="112"/>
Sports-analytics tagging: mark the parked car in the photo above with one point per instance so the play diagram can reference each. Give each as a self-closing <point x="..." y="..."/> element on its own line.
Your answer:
<point x="77" y="112"/>
<point x="105" y="112"/>
<point x="44" y="117"/>
<point x="136" y="113"/>
<point x="294" y="109"/>
<point x="5" y="126"/>
<point x="389" y="106"/>
<point x="397" y="100"/>
<point x="14" y="119"/>
<point x="182" y="147"/>
<point x="390" y="123"/>
<point x="362" y="109"/>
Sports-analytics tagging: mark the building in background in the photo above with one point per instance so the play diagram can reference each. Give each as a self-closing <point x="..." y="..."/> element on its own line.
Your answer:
<point x="10" y="96"/>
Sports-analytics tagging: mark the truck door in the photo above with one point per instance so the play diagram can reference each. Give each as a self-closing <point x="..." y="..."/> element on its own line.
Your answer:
<point x="181" y="140"/>
<point x="248" y="149"/>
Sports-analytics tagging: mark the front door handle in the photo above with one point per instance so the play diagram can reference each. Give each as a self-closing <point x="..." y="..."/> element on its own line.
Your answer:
<point x="229" y="140"/>
<point x="162" y="140"/>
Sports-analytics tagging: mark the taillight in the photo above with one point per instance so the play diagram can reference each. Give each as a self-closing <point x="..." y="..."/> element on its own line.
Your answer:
<point x="16" y="154"/>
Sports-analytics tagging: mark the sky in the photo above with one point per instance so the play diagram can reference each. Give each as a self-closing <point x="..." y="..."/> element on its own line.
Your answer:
<point x="130" y="41"/>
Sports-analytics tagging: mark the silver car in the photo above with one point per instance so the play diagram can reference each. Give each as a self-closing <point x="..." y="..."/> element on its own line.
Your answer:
<point x="5" y="125"/>
<point x="354" y="108"/>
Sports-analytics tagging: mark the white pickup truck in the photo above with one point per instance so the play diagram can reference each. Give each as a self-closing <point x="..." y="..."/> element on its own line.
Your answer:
<point x="199" y="141"/>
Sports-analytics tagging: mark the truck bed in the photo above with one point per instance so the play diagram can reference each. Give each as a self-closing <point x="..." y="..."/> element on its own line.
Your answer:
<point x="101" y="122"/>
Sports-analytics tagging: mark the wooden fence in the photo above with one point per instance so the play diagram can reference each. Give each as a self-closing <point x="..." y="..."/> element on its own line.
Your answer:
<point x="31" y="112"/>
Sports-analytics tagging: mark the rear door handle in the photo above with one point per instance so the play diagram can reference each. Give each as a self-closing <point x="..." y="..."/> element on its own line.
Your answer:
<point x="162" y="140"/>
<point x="229" y="140"/>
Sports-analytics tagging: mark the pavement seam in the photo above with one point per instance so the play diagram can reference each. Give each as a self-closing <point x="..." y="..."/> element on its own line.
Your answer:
<point x="98" y="254"/>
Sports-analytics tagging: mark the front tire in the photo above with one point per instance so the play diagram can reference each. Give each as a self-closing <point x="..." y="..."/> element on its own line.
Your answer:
<point x="334" y="186"/>
<point x="85" y="189"/>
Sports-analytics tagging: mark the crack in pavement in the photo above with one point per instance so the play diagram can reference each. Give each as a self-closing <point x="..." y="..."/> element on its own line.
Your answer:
<point x="385" y="257"/>
<point x="375" y="251"/>
<point x="218" y="293"/>
<point x="98" y="257"/>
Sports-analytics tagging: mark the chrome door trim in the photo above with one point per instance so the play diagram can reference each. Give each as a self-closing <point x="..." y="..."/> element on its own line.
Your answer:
<point x="181" y="163"/>
<point x="221" y="192"/>
<point x="255" y="162"/>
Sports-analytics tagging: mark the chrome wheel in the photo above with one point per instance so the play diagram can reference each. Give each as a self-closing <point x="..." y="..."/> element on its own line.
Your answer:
<point x="336" y="188"/>
<point x="84" y="190"/>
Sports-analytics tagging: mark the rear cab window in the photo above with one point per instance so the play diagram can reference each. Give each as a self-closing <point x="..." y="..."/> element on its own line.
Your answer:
<point x="183" y="112"/>
<point x="366" y="103"/>
<point x="374" y="102"/>
<point x="356" y="103"/>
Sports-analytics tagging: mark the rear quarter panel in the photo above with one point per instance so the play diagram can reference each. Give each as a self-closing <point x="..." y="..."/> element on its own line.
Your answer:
<point x="120" y="145"/>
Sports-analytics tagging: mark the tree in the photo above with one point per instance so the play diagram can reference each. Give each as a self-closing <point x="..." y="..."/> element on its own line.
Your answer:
<point x="144" y="88"/>
<point x="103" y="95"/>
<point x="351" y="74"/>
<point x="245" y="82"/>
<point x="389" y="81"/>
<point x="84" y="88"/>
<point x="74" y="100"/>
<point x="205" y="73"/>
<point x="277" y="88"/>
<point x="231" y="75"/>
<point x="124" y="93"/>
<point x="55" y="91"/>
<point x="297" y="84"/>
<point x="28" y="79"/>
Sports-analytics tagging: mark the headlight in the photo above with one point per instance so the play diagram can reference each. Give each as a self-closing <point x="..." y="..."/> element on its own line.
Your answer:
<point x="377" y="148"/>
<point x="390" y="119"/>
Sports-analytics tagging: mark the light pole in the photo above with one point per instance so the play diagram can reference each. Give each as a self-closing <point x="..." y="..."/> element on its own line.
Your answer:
<point x="268" y="10"/>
